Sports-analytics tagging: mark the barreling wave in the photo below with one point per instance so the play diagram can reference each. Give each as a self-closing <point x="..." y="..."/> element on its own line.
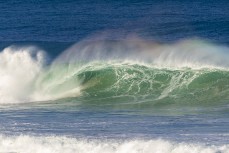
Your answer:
<point x="187" y="72"/>
<point x="69" y="145"/>
<point x="139" y="83"/>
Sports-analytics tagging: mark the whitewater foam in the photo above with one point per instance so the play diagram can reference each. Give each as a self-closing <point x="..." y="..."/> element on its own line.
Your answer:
<point x="61" y="144"/>
<point x="18" y="68"/>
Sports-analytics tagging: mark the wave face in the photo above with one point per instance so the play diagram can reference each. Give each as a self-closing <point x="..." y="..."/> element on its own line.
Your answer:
<point x="137" y="82"/>
<point x="131" y="71"/>
<point x="70" y="145"/>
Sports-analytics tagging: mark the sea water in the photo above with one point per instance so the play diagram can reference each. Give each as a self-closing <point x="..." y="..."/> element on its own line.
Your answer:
<point x="114" y="77"/>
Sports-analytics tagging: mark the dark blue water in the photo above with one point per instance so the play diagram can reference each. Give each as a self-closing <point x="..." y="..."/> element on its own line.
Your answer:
<point x="71" y="21"/>
<point x="92" y="124"/>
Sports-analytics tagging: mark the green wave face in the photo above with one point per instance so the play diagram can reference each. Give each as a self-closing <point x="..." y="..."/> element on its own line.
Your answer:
<point x="125" y="83"/>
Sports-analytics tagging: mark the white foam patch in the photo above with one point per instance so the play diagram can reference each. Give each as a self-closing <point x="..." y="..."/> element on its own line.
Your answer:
<point x="18" y="68"/>
<point x="55" y="144"/>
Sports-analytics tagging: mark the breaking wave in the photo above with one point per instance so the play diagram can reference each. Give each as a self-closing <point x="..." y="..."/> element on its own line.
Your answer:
<point x="190" y="71"/>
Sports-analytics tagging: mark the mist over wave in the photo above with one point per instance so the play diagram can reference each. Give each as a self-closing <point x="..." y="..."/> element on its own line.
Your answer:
<point x="188" y="69"/>
<point x="192" y="53"/>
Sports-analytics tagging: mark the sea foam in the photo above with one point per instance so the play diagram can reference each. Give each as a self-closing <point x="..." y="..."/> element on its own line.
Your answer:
<point x="19" y="66"/>
<point x="61" y="144"/>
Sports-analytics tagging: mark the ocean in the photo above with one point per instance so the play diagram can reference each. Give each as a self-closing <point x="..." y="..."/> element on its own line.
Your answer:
<point x="114" y="76"/>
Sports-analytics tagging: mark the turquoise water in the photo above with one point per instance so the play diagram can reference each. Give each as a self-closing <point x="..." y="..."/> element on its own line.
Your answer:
<point x="114" y="77"/>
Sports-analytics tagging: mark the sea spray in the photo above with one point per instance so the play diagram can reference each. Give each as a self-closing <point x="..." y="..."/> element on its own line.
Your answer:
<point x="193" y="53"/>
<point x="19" y="66"/>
